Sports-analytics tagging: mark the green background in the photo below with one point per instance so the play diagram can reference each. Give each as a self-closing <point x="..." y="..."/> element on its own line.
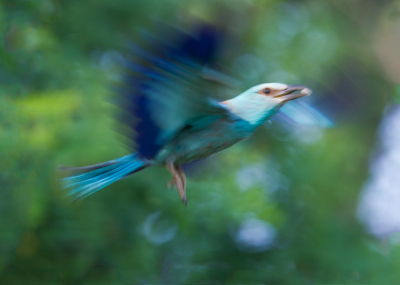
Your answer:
<point x="56" y="69"/>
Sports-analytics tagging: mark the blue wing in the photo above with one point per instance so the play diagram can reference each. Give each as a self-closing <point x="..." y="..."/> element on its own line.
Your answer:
<point x="164" y="87"/>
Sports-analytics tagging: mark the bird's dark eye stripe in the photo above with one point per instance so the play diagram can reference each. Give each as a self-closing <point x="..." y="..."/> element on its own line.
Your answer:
<point x="266" y="91"/>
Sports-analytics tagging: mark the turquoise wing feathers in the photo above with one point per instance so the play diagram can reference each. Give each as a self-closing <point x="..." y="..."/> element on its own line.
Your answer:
<point x="180" y="95"/>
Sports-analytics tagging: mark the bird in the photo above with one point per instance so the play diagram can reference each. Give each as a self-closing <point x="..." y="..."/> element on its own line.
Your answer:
<point x="214" y="127"/>
<point x="168" y="88"/>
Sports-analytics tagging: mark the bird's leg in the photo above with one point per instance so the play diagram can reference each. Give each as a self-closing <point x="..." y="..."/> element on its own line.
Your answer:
<point x="183" y="178"/>
<point x="178" y="180"/>
<point x="174" y="172"/>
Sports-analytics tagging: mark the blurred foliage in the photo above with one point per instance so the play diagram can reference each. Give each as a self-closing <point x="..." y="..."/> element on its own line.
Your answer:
<point x="55" y="76"/>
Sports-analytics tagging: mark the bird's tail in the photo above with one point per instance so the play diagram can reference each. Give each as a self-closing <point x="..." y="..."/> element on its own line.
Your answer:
<point x="87" y="180"/>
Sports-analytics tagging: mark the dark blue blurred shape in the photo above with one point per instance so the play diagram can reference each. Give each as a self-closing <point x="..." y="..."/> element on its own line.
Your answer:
<point x="159" y="58"/>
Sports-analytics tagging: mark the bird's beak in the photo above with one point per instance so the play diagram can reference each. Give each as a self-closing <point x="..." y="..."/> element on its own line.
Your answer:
<point x="289" y="93"/>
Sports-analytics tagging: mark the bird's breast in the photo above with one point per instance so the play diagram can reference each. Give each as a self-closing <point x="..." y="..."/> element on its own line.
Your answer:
<point x="194" y="144"/>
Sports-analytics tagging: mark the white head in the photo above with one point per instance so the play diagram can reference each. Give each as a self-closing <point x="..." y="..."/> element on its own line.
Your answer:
<point x="261" y="102"/>
<point x="280" y="92"/>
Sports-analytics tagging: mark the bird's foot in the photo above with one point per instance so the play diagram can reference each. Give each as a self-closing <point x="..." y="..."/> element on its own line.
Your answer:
<point x="178" y="180"/>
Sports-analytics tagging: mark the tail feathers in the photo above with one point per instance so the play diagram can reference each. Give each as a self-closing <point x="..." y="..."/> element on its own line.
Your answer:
<point x="96" y="177"/>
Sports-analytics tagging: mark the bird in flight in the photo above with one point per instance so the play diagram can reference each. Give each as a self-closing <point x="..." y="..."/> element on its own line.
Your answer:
<point x="167" y="89"/>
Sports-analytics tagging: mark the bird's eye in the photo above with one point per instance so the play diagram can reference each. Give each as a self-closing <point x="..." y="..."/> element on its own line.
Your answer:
<point x="266" y="91"/>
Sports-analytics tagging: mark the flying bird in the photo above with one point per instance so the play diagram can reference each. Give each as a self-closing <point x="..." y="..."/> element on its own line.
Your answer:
<point x="168" y="89"/>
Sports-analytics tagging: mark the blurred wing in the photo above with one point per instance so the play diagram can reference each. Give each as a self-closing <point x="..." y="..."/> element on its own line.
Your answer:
<point x="298" y="112"/>
<point x="166" y="87"/>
